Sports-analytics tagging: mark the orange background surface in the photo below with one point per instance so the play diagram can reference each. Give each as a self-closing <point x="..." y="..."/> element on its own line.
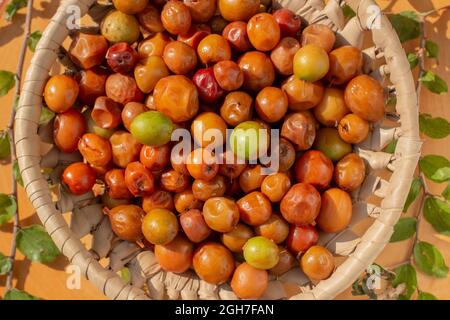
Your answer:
<point x="49" y="281"/>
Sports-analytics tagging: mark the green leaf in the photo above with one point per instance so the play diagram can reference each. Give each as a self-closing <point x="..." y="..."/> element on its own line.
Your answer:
<point x="7" y="82"/>
<point x="33" y="40"/>
<point x="434" y="83"/>
<point x="426" y="296"/>
<point x="413" y="60"/>
<point x="125" y="275"/>
<point x="437" y="213"/>
<point x="16" y="172"/>
<point x="404" y="229"/>
<point x="15" y="294"/>
<point x="8" y="207"/>
<point x="406" y="274"/>
<point x="392" y="101"/>
<point x="429" y="260"/>
<point x="446" y="193"/>
<point x="35" y="243"/>
<point x="432" y="49"/>
<point x="5" y="146"/>
<point x="414" y="190"/>
<point x="435" y="168"/>
<point x="406" y="24"/>
<point x="13" y="7"/>
<point x="390" y="148"/>
<point x="5" y="264"/>
<point x="436" y="128"/>
<point x="348" y="11"/>
<point x="357" y="289"/>
<point x="46" y="115"/>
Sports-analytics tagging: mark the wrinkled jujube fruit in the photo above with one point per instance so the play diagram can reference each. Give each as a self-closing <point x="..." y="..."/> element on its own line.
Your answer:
<point x="185" y="201"/>
<point x="123" y="89"/>
<point x="126" y="222"/>
<point x="106" y="113"/>
<point x="302" y="95"/>
<point x="237" y="108"/>
<point x="350" y="172"/>
<point x="255" y="208"/>
<point x="88" y="50"/>
<point x="202" y="164"/>
<point x="345" y="63"/>
<point x="208" y="88"/>
<point x="301" y="204"/>
<point x="236" y="34"/>
<point x="159" y="199"/>
<point x="95" y="149"/>
<point x="121" y="57"/>
<point x="275" y="186"/>
<point x="228" y="75"/>
<point x="204" y="190"/>
<point x="315" y="168"/>
<point x="155" y="158"/>
<point x="174" y="181"/>
<point x="275" y="229"/>
<point x="139" y="179"/>
<point x="201" y="11"/>
<point x="282" y="55"/>
<point x="320" y="35"/>
<point x="288" y="21"/>
<point x="91" y="84"/>
<point x="177" y="97"/>
<point x="150" y="19"/>
<point x="237" y="237"/>
<point x="196" y="33"/>
<point x="176" y="17"/>
<point x="125" y="148"/>
<point x="115" y="182"/>
<point x="221" y="214"/>
<point x="194" y="226"/>
<point x="300" y="129"/>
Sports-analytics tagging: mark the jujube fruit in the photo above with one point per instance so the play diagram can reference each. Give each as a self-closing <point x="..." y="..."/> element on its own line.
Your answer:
<point x="335" y="211"/>
<point x="160" y="226"/>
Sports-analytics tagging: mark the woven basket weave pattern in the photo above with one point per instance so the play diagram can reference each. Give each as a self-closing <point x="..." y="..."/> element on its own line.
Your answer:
<point x="35" y="151"/>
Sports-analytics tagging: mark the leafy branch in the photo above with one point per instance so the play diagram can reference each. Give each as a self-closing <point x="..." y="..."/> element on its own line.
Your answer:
<point x="435" y="209"/>
<point x="33" y="241"/>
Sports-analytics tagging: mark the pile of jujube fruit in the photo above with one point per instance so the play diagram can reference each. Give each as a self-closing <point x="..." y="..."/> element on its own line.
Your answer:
<point x="160" y="65"/>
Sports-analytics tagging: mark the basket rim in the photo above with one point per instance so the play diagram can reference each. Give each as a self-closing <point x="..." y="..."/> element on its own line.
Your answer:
<point x="404" y="160"/>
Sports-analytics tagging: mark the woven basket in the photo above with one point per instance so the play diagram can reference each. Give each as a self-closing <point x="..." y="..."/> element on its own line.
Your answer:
<point x="385" y="60"/>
